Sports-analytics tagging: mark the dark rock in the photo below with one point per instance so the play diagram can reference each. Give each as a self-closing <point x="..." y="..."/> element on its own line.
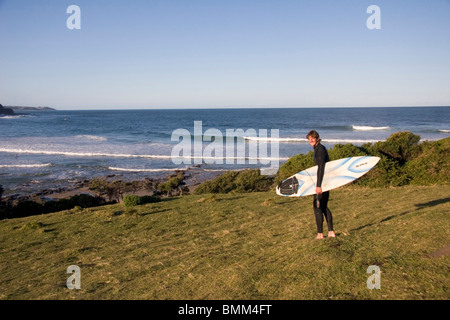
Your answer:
<point x="6" y="111"/>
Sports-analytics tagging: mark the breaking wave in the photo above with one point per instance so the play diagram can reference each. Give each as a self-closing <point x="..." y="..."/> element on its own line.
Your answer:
<point x="84" y="154"/>
<point x="145" y="170"/>
<point x="306" y="140"/>
<point x="91" y="137"/>
<point x="368" y="128"/>
<point x="38" y="165"/>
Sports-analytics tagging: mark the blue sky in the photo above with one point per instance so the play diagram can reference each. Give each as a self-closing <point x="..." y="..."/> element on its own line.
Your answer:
<point x="224" y="53"/>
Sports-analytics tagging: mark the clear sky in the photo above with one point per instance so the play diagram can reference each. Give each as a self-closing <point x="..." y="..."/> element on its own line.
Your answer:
<point x="224" y="53"/>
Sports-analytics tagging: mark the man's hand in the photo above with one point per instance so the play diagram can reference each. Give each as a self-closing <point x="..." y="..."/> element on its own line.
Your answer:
<point x="318" y="190"/>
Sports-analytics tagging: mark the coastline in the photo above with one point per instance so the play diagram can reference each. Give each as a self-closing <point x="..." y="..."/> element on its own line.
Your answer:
<point x="192" y="179"/>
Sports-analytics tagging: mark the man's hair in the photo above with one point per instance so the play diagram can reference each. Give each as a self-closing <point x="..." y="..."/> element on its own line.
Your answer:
<point x="313" y="134"/>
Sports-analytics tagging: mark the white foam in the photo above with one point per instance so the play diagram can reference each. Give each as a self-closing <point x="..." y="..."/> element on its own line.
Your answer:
<point x="91" y="137"/>
<point x="144" y="170"/>
<point x="39" y="165"/>
<point x="125" y="155"/>
<point x="17" y="116"/>
<point x="351" y="140"/>
<point x="268" y="139"/>
<point x="368" y="128"/>
<point x="84" y="154"/>
<point x="10" y="117"/>
<point x="306" y="140"/>
<point x="444" y="131"/>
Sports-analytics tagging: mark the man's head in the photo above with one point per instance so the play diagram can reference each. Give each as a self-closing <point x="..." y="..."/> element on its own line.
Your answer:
<point x="313" y="138"/>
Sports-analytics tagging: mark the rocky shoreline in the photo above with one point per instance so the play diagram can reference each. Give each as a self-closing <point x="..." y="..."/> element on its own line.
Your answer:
<point x="145" y="186"/>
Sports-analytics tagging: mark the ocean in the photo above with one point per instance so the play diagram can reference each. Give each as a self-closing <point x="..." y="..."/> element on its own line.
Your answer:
<point x="53" y="149"/>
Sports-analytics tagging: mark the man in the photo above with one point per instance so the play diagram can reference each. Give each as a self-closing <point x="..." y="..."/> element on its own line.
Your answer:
<point x="320" y="198"/>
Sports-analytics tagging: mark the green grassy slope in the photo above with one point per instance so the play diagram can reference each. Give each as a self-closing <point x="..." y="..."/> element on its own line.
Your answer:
<point x="234" y="246"/>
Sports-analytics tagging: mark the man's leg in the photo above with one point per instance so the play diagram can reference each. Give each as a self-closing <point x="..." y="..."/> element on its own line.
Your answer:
<point x="319" y="217"/>
<point x="327" y="213"/>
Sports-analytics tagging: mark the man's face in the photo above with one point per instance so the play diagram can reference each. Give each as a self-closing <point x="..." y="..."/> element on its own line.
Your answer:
<point x="312" y="141"/>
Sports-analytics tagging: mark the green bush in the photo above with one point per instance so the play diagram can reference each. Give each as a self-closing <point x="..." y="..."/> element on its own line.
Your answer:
<point x="432" y="164"/>
<point x="252" y="181"/>
<point x="340" y="151"/>
<point x="27" y="208"/>
<point x="148" y="199"/>
<point x="295" y="164"/>
<point x="222" y="184"/>
<point x="131" y="200"/>
<point x="239" y="181"/>
<point x="81" y="200"/>
<point x="174" y="183"/>
<point x="400" y="146"/>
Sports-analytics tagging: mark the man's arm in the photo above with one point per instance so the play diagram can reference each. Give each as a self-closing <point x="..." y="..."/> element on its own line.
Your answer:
<point x="320" y="159"/>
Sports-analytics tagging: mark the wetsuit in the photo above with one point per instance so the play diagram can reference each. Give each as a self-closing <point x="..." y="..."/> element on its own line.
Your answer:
<point x="321" y="200"/>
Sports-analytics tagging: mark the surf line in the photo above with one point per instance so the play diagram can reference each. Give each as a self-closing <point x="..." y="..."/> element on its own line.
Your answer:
<point x="233" y="150"/>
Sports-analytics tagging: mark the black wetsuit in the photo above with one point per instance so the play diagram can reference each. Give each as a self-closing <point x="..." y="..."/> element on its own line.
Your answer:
<point x="321" y="200"/>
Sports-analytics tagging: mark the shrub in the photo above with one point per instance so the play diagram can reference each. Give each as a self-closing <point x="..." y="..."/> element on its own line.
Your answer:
<point x="340" y="151"/>
<point x="27" y="208"/>
<point x="81" y="200"/>
<point x="252" y="181"/>
<point x="222" y="184"/>
<point x="149" y="199"/>
<point x="173" y="183"/>
<point x="131" y="200"/>
<point x="295" y="164"/>
<point x="86" y="201"/>
<point x="113" y="190"/>
<point x="400" y="146"/>
<point x="239" y="181"/>
<point x="432" y="164"/>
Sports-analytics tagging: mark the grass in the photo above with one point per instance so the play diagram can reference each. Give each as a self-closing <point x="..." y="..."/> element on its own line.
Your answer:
<point x="234" y="246"/>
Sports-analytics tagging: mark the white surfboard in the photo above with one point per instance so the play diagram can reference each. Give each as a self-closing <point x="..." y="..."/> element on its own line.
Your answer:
<point x="337" y="173"/>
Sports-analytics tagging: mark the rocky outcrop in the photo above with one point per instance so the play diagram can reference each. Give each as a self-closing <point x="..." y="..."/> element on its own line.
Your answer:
<point x="5" y="111"/>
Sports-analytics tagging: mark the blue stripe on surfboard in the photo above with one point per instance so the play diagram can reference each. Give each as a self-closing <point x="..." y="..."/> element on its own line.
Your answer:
<point x="344" y="161"/>
<point x="348" y="178"/>
<point x="340" y="165"/>
<point x="351" y="167"/>
<point x="307" y="190"/>
<point x="300" y="184"/>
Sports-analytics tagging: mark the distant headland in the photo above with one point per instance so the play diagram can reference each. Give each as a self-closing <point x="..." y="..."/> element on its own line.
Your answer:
<point x="21" y="108"/>
<point x="6" y="111"/>
<point x="10" y="109"/>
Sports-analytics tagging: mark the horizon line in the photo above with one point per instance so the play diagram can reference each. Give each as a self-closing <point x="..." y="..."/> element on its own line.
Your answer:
<point x="223" y="107"/>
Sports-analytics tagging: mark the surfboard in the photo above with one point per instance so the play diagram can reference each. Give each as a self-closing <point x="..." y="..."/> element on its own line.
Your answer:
<point x="337" y="173"/>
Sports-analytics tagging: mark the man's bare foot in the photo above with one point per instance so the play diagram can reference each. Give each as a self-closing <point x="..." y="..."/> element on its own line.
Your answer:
<point x="319" y="236"/>
<point x="331" y="234"/>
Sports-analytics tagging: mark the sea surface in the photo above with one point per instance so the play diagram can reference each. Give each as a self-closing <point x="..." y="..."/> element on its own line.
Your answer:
<point x="51" y="149"/>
